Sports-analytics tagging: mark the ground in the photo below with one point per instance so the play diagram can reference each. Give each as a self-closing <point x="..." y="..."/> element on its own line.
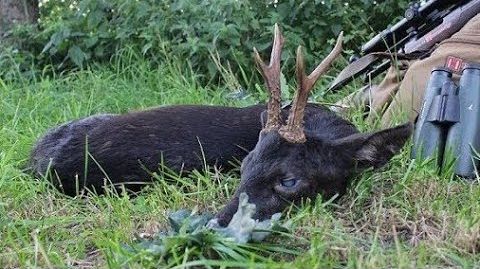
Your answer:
<point x="401" y="216"/>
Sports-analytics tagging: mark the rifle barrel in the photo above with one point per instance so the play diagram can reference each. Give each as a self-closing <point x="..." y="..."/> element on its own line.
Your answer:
<point x="389" y="37"/>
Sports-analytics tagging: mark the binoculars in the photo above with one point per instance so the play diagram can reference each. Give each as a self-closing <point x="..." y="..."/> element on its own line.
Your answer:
<point x="449" y="122"/>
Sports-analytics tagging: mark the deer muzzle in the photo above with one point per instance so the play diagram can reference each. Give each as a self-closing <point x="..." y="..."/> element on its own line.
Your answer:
<point x="225" y="215"/>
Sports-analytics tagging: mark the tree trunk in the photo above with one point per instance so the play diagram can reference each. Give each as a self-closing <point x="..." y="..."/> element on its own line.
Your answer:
<point x="17" y="11"/>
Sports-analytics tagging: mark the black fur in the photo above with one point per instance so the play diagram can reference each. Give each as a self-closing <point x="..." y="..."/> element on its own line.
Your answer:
<point x="124" y="149"/>
<point x="127" y="147"/>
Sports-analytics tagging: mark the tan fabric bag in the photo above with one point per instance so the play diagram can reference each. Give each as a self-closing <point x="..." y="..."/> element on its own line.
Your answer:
<point x="400" y="95"/>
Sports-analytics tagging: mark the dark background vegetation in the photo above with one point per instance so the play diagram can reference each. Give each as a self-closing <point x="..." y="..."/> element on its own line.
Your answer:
<point x="76" y="34"/>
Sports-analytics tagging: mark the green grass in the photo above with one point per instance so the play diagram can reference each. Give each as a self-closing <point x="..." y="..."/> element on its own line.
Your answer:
<point x="403" y="216"/>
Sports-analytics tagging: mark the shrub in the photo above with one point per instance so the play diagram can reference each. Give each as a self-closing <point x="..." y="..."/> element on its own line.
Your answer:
<point x="74" y="34"/>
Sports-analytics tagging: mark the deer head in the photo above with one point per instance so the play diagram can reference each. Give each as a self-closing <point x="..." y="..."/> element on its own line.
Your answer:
<point x="313" y="153"/>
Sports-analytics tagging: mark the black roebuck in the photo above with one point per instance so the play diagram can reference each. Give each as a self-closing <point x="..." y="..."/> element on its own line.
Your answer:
<point x="315" y="152"/>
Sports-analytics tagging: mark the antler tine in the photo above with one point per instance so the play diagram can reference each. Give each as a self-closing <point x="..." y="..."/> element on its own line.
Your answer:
<point x="293" y="131"/>
<point x="271" y="75"/>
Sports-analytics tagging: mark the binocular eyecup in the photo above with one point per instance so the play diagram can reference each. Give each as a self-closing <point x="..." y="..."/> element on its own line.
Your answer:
<point x="449" y="122"/>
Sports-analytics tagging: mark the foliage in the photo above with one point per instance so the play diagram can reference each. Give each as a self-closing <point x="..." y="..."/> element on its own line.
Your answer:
<point x="190" y="233"/>
<point x="73" y="34"/>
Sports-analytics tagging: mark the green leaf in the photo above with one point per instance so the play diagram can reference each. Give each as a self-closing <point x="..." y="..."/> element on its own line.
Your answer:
<point x="77" y="55"/>
<point x="90" y="42"/>
<point x="56" y="39"/>
<point x="284" y="10"/>
<point x="94" y="18"/>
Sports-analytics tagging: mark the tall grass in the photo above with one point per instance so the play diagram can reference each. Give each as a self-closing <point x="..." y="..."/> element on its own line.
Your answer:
<point x="403" y="216"/>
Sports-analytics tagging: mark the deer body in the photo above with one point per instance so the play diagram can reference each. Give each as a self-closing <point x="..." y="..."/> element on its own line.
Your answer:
<point x="126" y="148"/>
<point x="288" y="154"/>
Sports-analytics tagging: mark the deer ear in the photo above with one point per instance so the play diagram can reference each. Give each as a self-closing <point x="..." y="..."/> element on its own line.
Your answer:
<point x="375" y="149"/>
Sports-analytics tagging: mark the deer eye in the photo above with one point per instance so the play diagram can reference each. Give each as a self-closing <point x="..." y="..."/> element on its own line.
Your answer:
<point x="289" y="182"/>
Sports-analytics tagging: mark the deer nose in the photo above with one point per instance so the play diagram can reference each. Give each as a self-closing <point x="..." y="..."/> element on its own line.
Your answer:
<point x="225" y="215"/>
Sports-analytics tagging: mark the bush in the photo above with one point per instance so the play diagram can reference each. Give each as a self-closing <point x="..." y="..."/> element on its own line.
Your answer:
<point x="74" y="34"/>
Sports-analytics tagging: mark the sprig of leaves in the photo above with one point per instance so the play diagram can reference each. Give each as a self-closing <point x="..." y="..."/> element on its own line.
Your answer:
<point x="198" y="237"/>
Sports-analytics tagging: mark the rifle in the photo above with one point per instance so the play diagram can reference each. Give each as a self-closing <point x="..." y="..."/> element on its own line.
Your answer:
<point x="412" y="37"/>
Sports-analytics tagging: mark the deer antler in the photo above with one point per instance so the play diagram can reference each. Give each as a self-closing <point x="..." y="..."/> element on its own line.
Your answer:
<point x="271" y="75"/>
<point x="293" y="131"/>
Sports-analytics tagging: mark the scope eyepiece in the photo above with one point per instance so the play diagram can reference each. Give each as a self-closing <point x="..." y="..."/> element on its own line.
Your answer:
<point x="413" y="11"/>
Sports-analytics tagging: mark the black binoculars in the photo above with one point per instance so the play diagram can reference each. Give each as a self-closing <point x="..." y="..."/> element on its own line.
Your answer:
<point x="449" y="122"/>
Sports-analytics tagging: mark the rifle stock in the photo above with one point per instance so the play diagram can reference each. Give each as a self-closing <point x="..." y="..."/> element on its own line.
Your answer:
<point x="451" y="23"/>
